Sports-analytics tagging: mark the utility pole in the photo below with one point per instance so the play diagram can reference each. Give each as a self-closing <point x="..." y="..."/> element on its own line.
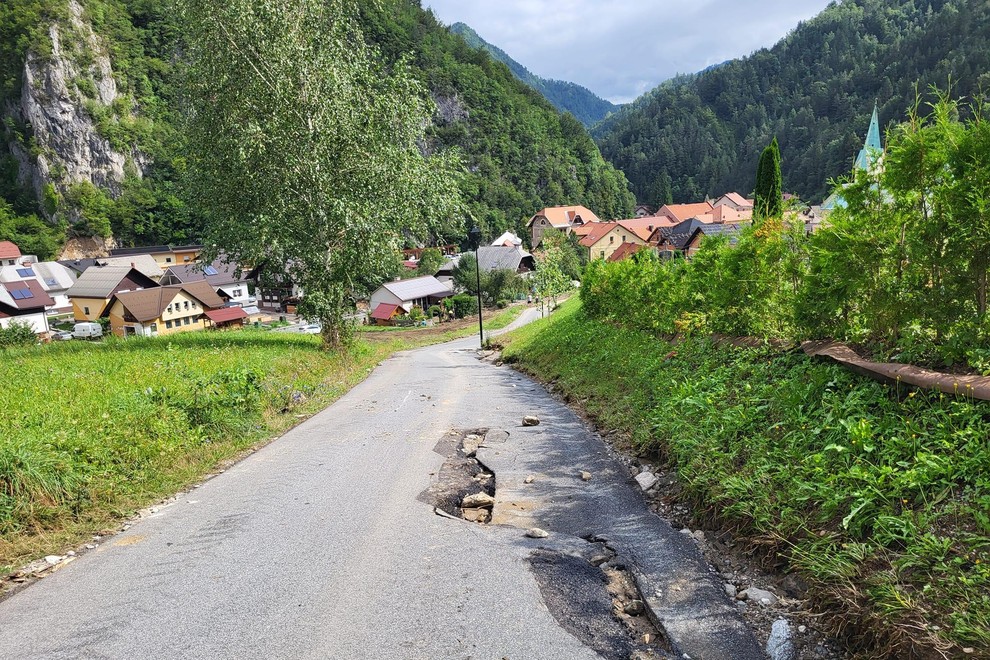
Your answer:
<point x="476" y="239"/>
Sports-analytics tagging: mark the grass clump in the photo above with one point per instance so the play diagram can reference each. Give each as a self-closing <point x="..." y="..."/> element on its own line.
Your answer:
<point x="878" y="496"/>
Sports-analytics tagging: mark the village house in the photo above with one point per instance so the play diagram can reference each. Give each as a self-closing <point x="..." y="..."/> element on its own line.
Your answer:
<point x="682" y="212"/>
<point x="92" y="291"/>
<point x="165" y="310"/>
<point x="606" y="237"/>
<point x="419" y="292"/>
<point x="53" y="278"/>
<point x="560" y="218"/>
<point x="164" y="255"/>
<point x="693" y="244"/>
<point x="505" y="258"/>
<point x="144" y="263"/>
<point x="25" y="302"/>
<point x="10" y="254"/>
<point x="644" y="210"/>
<point x="228" y="280"/>
<point x="735" y="201"/>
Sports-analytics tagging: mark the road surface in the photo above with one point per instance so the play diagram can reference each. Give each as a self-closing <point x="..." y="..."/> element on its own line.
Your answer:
<point x="317" y="546"/>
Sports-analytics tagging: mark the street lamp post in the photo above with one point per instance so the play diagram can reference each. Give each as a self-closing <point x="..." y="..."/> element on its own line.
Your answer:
<point x="476" y="239"/>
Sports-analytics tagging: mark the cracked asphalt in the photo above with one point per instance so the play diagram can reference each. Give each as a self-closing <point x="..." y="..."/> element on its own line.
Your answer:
<point x="316" y="546"/>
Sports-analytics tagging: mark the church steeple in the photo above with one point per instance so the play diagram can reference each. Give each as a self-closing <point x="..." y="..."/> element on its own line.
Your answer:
<point x="873" y="148"/>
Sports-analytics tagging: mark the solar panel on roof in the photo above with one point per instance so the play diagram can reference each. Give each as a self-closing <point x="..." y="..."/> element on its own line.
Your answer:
<point x="25" y="272"/>
<point x="210" y="270"/>
<point x="51" y="281"/>
<point x="21" y="294"/>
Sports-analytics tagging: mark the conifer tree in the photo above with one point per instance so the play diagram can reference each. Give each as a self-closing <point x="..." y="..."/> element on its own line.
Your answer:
<point x="768" y="193"/>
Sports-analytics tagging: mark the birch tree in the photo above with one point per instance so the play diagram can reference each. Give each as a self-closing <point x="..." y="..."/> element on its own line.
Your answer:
<point x="306" y="150"/>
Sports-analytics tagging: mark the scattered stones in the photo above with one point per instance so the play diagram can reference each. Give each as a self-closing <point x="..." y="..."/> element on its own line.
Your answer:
<point x="51" y="560"/>
<point x="537" y="533"/>
<point x="780" y="645"/>
<point x="90" y="546"/>
<point x="761" y="596"/>
<point x="802" y="629"/>
<point x="471" y="445"/>
<point x="478" y="501"/>
<point x="496" y="437"/>
<point x="476" y="515"/>
<point x="530" y="420"/>
<point x="530" y="479"/>
<point x="730" y="590"/>
<point x="585" y="476"/>
<point x="646" y="480"/>
<point x="634" y="608"/>
<point x="699" y="536"/>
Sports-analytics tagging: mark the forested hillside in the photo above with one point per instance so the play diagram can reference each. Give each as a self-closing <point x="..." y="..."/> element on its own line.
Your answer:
<point x="92" y="144"/>
<point x="702" y="134"/>
<point x="588" y="107"/>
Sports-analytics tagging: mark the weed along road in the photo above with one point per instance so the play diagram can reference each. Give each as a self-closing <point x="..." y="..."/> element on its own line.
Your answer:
<point x="336" y="541"/>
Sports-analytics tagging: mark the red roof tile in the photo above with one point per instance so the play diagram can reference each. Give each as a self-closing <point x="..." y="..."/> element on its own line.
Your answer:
<point x="598" y="231"/>
<point x="384" y="312"/>
<point x="225" y="314"/>
<point x="36" y="298"/>
<point x="9" y="250"/>
<point x="625" y="251"/>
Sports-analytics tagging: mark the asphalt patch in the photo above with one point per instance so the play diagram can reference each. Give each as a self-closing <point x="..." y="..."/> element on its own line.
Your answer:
<point x="459" y="476"/>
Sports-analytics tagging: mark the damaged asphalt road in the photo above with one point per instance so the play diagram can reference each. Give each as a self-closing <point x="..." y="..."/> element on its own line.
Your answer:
<point x="316" y="546"/>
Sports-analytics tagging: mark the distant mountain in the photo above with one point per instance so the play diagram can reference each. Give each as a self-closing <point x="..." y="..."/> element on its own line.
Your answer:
<point x="701" y="135"/>
<point x="581" y="102"/>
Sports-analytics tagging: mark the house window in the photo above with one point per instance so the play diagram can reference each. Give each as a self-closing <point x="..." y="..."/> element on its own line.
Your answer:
<point x="169" y="309"/>
<point x="236" y="293"/>
<point x="168" y="324"/>
<point x="86" y="311"/>
<point x="168" y="260"/>
<point x="623" y="238"/>
<point x="154" y="327"/>
<point x="187" y="304"/>
<point x="184" y="259"/>
<point x="601" y="254"/>
<point x="611" y="239"/>
<point x="185" y="321"/>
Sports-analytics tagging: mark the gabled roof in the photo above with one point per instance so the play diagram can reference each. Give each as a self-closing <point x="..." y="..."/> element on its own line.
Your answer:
<point x="217" y="273"/>
<point x="149" y="304"/>
<point x="144" y="263"/>
<point x="565" y="216"/>
<point x="625" y="251"/>
<point x="680" y="234"/>
<point x="598" y="231"/>
<point x="417" y="287"/>
<point x="642" y="227"/>
<point x="225" y="314"/>
<point x="9" y="250"/>
<point x="736" y="199"/>
<point x="508" y="239"/>
<point x="385" y="312"/>
<point x="104" y="281"/>
<point x="129" y="252"/>
<point x="683" y="212"/>
<point x="503" y="258"/>
<point x="26" y="294"/>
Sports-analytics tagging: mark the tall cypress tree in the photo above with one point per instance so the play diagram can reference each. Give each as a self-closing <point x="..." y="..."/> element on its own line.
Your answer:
<point x="768" y="193"/>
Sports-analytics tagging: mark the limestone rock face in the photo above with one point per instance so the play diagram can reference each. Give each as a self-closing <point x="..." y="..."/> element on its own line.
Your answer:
<point x="55" y="93"/>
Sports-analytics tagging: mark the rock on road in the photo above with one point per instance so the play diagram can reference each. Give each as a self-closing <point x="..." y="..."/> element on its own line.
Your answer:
<point x="317" y="547"/>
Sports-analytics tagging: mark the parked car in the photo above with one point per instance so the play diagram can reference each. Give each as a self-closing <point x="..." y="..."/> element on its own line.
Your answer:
<point x="61" y="335"/>
<point x="87" y="330"/>
<point x="312" y="329"/>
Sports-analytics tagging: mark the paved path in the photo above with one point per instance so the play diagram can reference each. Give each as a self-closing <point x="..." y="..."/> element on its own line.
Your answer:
<point x="317" y="547"/>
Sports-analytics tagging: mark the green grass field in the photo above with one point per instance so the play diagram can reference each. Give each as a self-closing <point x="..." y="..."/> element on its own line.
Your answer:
<point x="93" y="432"/>
<point x="880" y="498"/>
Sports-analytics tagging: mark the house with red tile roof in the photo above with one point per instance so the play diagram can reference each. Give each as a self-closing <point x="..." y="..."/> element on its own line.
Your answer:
<point x="606" y="237"/>
<point x="682" y="212"/>
<point x="643" y="227"/>
<point x="25" y="302"/>
<point x="734" y="200"/>
<point x="561" y="218"/>
<point x="626" y="250"/>
<point x="10" y="254"/>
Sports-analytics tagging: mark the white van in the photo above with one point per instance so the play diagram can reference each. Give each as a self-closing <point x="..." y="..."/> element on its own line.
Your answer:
<point x="87" y="330"/>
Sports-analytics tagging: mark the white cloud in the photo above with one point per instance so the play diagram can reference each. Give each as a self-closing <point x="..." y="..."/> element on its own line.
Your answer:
<point x="622" y="48"/>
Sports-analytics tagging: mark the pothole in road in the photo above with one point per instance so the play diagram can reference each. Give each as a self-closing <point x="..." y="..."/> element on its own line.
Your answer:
<point x="464" y="488"/>
<point x="586" y="587"/>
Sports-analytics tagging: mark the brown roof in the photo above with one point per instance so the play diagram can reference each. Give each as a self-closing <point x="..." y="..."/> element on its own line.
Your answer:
<point x="34" y="299"/>
<point x="562" y="216"/>
<point x="148" y="304"/>
<point x="681" y="212"/>
<point x="625" y="251"/>
<point x="226" y="314"/>
<point x="9" y="250"/>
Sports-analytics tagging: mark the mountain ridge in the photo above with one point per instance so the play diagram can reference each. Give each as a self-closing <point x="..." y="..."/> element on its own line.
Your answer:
<point x="585" y="105"/>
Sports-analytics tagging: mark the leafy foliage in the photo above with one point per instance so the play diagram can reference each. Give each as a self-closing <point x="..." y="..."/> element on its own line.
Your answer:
<point x="31" y="234"/>
<point x="304" y="147"/>
<point x="496" y="285"/>
<point x="702" y="134"/>
<point x="587" y="107"/>
<point x="768" y="197"/>
<point x="17" y="334"/>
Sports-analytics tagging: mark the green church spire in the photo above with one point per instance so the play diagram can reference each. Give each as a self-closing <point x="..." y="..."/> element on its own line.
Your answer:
<point x="873" y="147"/>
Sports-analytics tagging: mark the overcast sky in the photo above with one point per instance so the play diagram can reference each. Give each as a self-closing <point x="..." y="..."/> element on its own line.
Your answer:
<point x="620" y="49"/>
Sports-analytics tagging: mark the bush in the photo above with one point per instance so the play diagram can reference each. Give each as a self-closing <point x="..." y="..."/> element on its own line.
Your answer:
<point x="464" y="305"/>
<point x="17" y="334"/>
<point x="434" y="311"/>
<point x="502" y="304"/>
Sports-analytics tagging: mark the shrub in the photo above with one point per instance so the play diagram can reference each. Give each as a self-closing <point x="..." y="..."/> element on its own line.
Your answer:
<point x="17" y="334"/>
<point x="464" y="305"/>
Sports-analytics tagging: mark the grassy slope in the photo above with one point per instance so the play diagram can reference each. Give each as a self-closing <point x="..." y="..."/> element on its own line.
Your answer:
<point x="879" y="498"/>
<point x="94" y="432"/>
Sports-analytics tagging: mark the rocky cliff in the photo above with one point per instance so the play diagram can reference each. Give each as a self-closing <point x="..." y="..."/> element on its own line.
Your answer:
<point x="62" y="94"/>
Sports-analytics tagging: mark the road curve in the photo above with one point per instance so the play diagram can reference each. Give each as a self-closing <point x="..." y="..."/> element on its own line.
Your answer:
<point x="317" y="547"/>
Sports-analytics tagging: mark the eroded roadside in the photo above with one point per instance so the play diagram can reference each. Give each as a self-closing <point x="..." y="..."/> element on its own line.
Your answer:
<point x="774" y="604"/>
